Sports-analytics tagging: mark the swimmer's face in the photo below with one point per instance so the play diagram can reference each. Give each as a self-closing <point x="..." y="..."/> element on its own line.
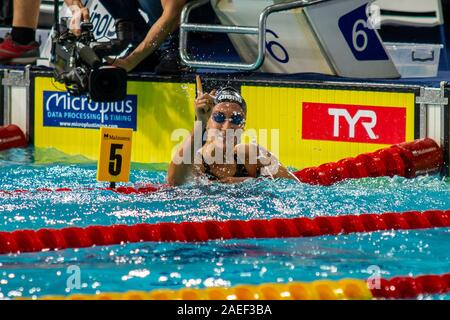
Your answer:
<point x="226" y="115"/>
<point x="225" y="119"/>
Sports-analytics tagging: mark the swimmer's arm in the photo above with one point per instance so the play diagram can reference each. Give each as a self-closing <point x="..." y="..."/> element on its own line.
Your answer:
<point x="180" y="168"/>
<point x="274" y="169"/>
<point x="267" y="164"/>
<point x="283" y="172"/>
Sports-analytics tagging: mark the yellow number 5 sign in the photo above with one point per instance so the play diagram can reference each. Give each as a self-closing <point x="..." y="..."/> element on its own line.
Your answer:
<point x="115" y="155"/>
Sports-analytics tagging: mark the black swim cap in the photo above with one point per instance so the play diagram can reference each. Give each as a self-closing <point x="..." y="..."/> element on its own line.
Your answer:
<point x="230" y="94"/>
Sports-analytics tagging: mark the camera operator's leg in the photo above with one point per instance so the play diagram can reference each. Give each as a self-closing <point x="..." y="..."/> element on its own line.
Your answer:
<point x="6" y="12"/>
<point x="20" y="46"/>
<point x="168" y="52"/>
<point x="129" y="11"/>
<point x="171" y="60"/>
<point x="25" y="20"/>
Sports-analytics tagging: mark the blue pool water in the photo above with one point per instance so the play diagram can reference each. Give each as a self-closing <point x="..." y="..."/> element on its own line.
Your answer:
<point x="147" y="266"/>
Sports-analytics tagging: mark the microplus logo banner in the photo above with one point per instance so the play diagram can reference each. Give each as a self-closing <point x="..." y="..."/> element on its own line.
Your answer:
<point x="64" y="110"/>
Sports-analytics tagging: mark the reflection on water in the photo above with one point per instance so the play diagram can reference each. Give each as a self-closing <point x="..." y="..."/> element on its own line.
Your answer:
<point x="146" y="266"/>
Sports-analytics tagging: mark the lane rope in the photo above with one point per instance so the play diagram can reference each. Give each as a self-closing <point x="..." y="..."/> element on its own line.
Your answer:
<point x="75" y="237"/>
<point x="148" y="188"/>
<point x="11" y="136"/>
<point x="408" y="160"/>
<point x="345" y="289"/>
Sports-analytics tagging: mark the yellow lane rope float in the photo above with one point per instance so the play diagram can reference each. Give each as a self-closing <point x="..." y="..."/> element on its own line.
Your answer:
<point x="317" y="290"/>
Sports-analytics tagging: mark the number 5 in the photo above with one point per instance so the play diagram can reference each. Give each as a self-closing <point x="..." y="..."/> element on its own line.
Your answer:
<point x="115" y="160"/>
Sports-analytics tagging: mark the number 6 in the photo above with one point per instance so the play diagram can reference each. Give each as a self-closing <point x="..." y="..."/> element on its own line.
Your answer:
<point x="359" y="33"/>
<point x="270" y="46"/>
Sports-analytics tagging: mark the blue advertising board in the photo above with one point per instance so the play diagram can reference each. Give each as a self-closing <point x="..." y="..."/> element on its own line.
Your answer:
<point x="63" y="110"/>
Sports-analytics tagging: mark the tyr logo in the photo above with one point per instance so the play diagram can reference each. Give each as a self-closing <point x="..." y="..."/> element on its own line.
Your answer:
<point x="353" y="123"/>
<point x="368" y="121"/>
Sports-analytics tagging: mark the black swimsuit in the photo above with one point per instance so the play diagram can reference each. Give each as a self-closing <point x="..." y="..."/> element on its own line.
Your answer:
<point x="241" y="171"/>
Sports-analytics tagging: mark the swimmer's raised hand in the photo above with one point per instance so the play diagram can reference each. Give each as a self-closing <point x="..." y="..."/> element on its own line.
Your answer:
<point x="203" y="106"/>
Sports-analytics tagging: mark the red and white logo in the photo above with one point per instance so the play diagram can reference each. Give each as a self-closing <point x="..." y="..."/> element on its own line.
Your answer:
<point x="353" y="123"/>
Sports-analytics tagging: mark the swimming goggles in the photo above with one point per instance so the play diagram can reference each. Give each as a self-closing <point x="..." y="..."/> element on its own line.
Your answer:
<point x="236" y="119"/>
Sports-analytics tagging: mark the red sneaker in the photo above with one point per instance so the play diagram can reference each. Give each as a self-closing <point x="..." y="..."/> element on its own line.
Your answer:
<point x="14" y="53"/>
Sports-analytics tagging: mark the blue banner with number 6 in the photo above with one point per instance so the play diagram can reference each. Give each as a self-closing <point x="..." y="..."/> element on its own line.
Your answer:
<point x="361" y="37"/>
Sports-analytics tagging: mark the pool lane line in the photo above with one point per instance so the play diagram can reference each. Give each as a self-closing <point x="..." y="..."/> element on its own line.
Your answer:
<point x="149" y="188"/>
<point x="20" y="241"/>
<point x="316" y="290"/>
<point x="344" y="289"/>
<point x="409" y="160"/>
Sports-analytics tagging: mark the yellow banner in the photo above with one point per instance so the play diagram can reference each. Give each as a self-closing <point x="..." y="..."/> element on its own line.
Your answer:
<point x="364" y="120"/>
<point x="302" y="126"/>
<point x="161" y="108"/>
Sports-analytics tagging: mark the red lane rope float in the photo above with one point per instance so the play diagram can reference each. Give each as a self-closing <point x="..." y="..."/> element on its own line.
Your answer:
<point x="410" y="287"/>
<point x="408" y="159"/>
<point x="12" y="137"/>
<point x="74" y="237"/>
<point x="124" y="190"/>
<point x="141" y="190"/>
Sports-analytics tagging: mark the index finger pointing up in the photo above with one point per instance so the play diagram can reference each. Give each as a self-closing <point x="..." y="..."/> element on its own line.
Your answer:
<point x="199" y="85"/>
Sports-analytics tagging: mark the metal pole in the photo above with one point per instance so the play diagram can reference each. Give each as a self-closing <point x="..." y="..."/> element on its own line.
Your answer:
<point x="260" y="30"/>
<point x="6" y="100"/>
